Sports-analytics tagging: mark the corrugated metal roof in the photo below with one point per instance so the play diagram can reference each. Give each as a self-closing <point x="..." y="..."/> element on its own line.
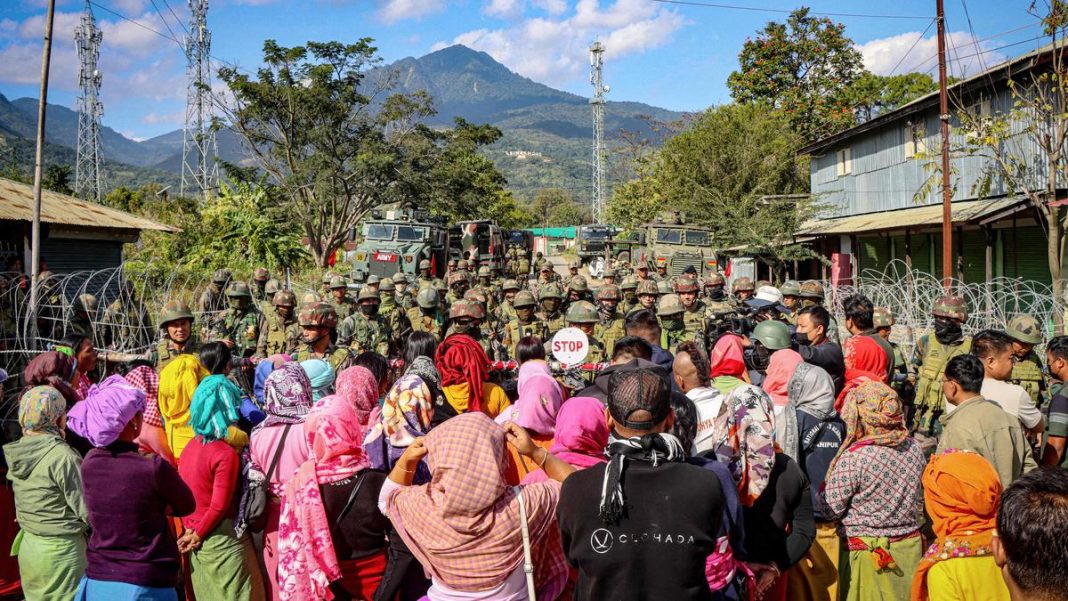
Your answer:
<point x="964" y="211"/>
<point x="16" y="202"/>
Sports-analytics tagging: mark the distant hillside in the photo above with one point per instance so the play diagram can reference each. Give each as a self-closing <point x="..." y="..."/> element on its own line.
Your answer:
<point x="547" y="132"/>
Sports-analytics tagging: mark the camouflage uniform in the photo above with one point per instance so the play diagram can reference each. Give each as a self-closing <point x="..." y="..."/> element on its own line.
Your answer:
<point x="427" y="316"/>
<point x="610" y="324"/>
<point x="322" y="314"/>
<point x="517" y="328"/>
<point x="395" y="316"/>
<point x="645" y="288"/>
<point x="554" y="321"/>
<point x="812" y="294"/>
<point x="403" y="294"/>
<point x="346" y="306"/>
<point x="259" y="284"/>
<point x="213" y="302"/>
<point x="673" y="330"/>
<point x="167" y="350"/>
<point x="629" y="287"/>
<point x="1027" y="371"/>
<point x="506" y="310"/>
<point x="930" y="359"/>
<point x="279" y="334"/>
<point x="270" y="289"/>
<point x="240" y="325"/>
<point x="693" y="317"/>
<point x="792" y="288"/>
<point x="366" y="333"/>
<point x="424" y="279"/>
<point x="487" y="287"/>
<point x="474" y="311"/>
<point x="572" y="267"/>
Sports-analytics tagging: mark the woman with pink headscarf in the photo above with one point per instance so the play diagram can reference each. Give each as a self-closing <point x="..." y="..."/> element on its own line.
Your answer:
<point x="540" y="398"/>
<point x="781" y="369"/>
<point x="728" y="364"/>
<point x="581" y="436"/>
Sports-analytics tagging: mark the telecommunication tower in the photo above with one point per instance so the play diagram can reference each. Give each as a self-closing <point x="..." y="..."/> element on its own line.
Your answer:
<point x="89" y="168"/>
<point x="200" y="172"/>
<point x="597" y="103"/>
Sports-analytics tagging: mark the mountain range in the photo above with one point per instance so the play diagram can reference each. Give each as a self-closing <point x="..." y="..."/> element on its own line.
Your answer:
<point x="546" y="141"/>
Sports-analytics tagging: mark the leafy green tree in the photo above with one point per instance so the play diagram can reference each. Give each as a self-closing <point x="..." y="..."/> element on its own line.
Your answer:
<point x="633" y="203"/>
<point x="546" y="201"/>
<point x="871" y="95"/>
<point x="569" y="214"/>
<point x="58" y="178"/>
<point x="803" y="67"/>
<point x="324" y="133"/>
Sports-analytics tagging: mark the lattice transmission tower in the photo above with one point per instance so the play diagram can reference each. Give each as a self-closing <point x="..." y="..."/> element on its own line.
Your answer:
<point x="89" y="167"/>
<point x="200" y="171"/>
<point x="597" y="104"/>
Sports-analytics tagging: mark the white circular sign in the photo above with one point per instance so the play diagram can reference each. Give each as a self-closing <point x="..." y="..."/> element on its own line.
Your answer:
<point x="570" y="346"/>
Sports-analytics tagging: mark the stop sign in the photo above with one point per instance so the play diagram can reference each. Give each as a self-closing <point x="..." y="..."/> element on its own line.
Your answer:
<point x="570" y="346"/>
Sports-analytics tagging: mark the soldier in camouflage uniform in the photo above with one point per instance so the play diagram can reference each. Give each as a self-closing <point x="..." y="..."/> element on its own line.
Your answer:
<point x="366" y="330"/>
<point x="486" y="287"/>
<point x="339" y="297"/>
<point x="240" y="326"/>
<point x="458" y="286"/>
<point x="280" y="332"/>
<point x="610" y="323"/>
<point x="259" y="284"/>
<point x="551" y="300"/>
<point x="451" y="267"/>
<point x="176" y="325"/>
<point x="578" y="291"/>
<point x="629" y="289"/>
<point x="466" y="317"/>
<point x="572" y="272"/>
<point x="641" y="271"/>
<point x="742" y="289"/>
<point x="270" y="289"/>
<point x="402" y="292"/>
<point x="811" y="293"/>
<point x="213" y="302"/>
<point x="716" y="300"/>
<point x="395" y="315"/>
<point x="608" y="277"/>
<point x="506" y="310"/>
<point x="791" y="299"/>
<point x="1026" y="333"/>
<point x="673" y="328"/>
<point x="933" y="352"/>
<point x="584" y="316"/>
<point x="317" y="321"/>
<point x="647" y="294"/>
<point x="693" y="317"/>
<point x="427" y="315"/>
<point x="525" y="323"/>
<point x="443" y="294"/>
<point x="327" y="278"/>
<point x="883" y="321"/>
<point x="373" y="282"/>
<point x="81" y="321"/>
<point x="665" y="287"/>
<point x="661" y="271"/>
<point x="425" y="279"/>
<point x="545" y="277"/>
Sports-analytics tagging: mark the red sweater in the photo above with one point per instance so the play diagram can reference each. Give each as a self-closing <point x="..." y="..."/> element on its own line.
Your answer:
<point x="210" y="471"/>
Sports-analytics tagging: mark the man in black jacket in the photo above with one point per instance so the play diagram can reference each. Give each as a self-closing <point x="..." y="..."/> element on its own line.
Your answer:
<point x="815" y="348"/>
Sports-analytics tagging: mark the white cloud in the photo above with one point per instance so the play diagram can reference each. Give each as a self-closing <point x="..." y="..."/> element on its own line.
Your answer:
<point x="174" y="117"/>
<point x="553" y="7"/>
<point x="506" y="9"/>
<point x="883" y="54"/>
<point x="555" y="50"/>
<point x="392" y="11"/>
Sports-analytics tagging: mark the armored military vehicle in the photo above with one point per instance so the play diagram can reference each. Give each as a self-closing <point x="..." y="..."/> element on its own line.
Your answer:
<point x="397" y="241"/>
<point x="670" y="242"/>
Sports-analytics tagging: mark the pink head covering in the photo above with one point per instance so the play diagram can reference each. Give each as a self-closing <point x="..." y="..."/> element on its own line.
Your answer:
<point x="358" y="386"/>
<point x="728" y="357"/>
<point x="539" y="399"/>
<point x="307" y="563"/>
<point x="581" y="432"/>
<point x="106" y="410"/>
<point x="781" y="368"/>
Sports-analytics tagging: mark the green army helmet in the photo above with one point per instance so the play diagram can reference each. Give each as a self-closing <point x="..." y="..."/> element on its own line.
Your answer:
<point x="774" y="335"/>
<point x="368" y="293"/>
<point x="582" y="312"/>
<point x="476" y="296"/>
<point x="465" y="308"/>
<point x="882" y="318"/>
<point x="485" y="272"/>
<point x="453" y="263"/>
<point x="811" y="289"/>
<point x="457" y="278"/>
<point x="173" y="311"/>
<point x="664" y="287"/>
<point x="284" y="298"/>
<point x="669" y="306"/>
<point x="373" y="279"/>
<point x="428" y="298"/>
<point x="951" y="307"/>
<point x="550" y="291"/>
<point x="545" y="266"/>
<point x="715" y="279"/>
<point x="608" y="292"/>
<point x="239" y="290"/>
<point x="629" y="283"/>
<point x="87" y="303"/>
<point x="608" y="273"/>
<point x="510" y="286"/>
<point x="261" y="274"/>
<point x="221" y="276"/>
<point x="524" y="299"/>
<point x="1025" y="329"/>
<point x="338" y="282"/>
<point x="387" y="285"/>
<point x="326" y="278"/>
<point x="272" y="286"/>
<point x="790" y="288"/>
<point x="579" y="284"/>
<point x="574" y="264"/>
<point x="743" y="285"/>
<point x="647" y="287"/>
<point x="424" y="264"/>
<point x="317" y="315"/>
<point x="400" y="277"/>
<point x="311" y="297"/>
<point x="685" y="285"/>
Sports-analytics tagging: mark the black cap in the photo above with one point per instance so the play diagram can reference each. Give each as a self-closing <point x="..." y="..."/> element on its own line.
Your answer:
<point x="642" y="389"/>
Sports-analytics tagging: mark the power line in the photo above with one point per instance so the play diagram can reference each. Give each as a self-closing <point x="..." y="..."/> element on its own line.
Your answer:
<point x="976" y="43"/>
<point x="787" y="12"/>
<point x="175" y="15"/>
<point x="165" y="23"/>
<point x="137" y="23"/>
<point x="913" y="47"/>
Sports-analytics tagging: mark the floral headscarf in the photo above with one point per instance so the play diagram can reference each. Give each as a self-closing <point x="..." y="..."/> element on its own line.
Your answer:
<point x="214" y="408"/>
<point x="40" y="410"/>
<point x="358" y="386"/>
<point x="307" y="563"/>
<point x="962" y="491"/>
<point x="405" y="416"/>
<point x="287" y="395"/>
<point x="751" y="436"/>
<point x="873" y="415"/>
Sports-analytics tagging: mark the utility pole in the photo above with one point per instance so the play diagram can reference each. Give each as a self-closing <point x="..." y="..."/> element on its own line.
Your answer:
<point x="89" y="169"/>
<point x="200" y="171"/>
<point x="943" y="116"/>
<point x="35" y="228"/>
<point x="597" y="103"/>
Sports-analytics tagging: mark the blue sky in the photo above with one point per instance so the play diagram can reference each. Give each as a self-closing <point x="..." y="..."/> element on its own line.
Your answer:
<point x="672" y="55"/>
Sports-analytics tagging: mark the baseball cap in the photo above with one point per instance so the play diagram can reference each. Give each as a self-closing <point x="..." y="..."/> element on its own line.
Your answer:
<point x="767" y="296"/>
<point x="640" y="389"/>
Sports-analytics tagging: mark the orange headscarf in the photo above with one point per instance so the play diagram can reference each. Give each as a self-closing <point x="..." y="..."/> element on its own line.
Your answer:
<point x="962" y="492"/>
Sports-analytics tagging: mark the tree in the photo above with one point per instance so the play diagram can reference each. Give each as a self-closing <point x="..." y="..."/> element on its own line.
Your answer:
<point x="327" y="135"/>
<point x="803" y="67"/>
<point x="720" y="170"/>
<point x="545" y="201"/>
<point x="871" y="95"/>
<point x="570" y="214"/>
<point x="1026" y="148"/>
<point x="633" y="203"/>
<point x="57" y="178"/>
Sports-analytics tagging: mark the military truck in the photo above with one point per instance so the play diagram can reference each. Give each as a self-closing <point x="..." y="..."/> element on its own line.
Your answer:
<point x="397" y="241"/>
<point x="668" y="241"/>
<point x="481" y="240"/>
<point x="590" y="240"/>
